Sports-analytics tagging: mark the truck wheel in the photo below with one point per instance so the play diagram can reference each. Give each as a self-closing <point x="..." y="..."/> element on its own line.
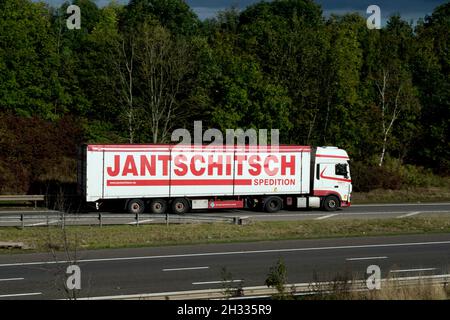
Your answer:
<point x="273" y="204"/>
<point x="331" y="203"/>
<point x="158" y="206"/>
<point x="136" y="206"/>
<point x="180" y="206"/>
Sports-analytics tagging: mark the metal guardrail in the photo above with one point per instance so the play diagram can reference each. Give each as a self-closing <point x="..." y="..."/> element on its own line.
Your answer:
<point x="295" y="289"/>
<point x="56" y="218"/>
<point x="32" y="198"/>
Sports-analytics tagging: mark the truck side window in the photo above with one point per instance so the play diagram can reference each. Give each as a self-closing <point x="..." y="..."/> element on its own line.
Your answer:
<point x="341" y="170"/>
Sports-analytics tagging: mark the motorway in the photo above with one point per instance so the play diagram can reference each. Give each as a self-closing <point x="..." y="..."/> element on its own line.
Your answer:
<point x="379" y="211"/>
<point x="180" y="268"/>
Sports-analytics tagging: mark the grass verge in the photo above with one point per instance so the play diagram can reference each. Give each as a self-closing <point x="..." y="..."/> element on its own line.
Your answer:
<point x="41" y="239"/>
<point x="431" y="194"/>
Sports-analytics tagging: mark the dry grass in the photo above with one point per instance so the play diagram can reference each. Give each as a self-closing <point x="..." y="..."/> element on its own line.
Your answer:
<point x="347" y="287"/>
<point x="94" y="237"/>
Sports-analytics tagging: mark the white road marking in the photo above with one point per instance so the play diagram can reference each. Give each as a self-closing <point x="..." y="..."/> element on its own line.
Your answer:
<point x="366" y="258"/>
<point x="402" y="204"/>
<point x="142" y="221"/>
<point x="284" y="215"/>
<point x="206" y="254"/>
<point x="345" y="213"/>
<point x="183" y="269"/>
<point x="410" y="214"/>
<point x="216" y="282"/>
<point x="413" y="270"/>
<point x="11" y="279"/>
<point x="20" y="294"/>
<point x="327" y="216"/>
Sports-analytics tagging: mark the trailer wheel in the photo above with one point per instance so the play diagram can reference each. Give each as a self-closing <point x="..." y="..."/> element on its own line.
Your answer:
<point x="136" y="206"/>
<point x="180" y="206"/>
<point x="331" y="203"/>
<point x="273" y="204"/>
<point x="158" y="206"/>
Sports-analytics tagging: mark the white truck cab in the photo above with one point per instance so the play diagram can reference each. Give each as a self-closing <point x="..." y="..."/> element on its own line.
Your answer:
<point x="332" y="181"/>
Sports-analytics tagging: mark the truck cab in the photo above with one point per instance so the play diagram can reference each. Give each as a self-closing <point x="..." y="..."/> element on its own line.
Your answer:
<point x="332" y="181"/>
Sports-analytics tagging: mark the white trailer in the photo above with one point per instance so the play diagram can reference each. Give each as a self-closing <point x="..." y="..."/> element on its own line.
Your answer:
<point x="181" y="178"/>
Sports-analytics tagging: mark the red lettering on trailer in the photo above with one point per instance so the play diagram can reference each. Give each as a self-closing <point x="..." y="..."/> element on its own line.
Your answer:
<point x="194" y="170"/>
<point x="148" y="166"/>
<point x="129" y="167"/>
<point x="200" y="165"/>
<point x="165" y="161"/>
<point x="270" y="172"/>
<point x="274" y="182"/>
<point x="253" y="161"/>
<point x="239" y="160"/>
<point x="215" y="165"/>
<point x="180" y="163"/>
<point x="114" y="172"/>
<point x="228" y="166"/>
<point x="287" y="165"/>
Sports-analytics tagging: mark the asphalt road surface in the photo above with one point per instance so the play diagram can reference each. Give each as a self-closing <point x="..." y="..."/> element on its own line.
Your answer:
<point x="35" y="218"/>
<point x="181" y="268"/>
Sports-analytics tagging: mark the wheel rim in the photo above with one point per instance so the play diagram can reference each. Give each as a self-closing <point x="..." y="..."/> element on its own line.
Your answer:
<point x="332" y="203"/>
<point x="135" y="207"/>
<point x="179" y="206"/>
<point x="273" y="204"/>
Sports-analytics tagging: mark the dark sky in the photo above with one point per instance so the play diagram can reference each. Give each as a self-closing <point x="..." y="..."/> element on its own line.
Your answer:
<point x="408" y="9"/>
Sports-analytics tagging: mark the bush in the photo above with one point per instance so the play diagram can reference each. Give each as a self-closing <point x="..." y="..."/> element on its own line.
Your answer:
<point x="370" y="177"/>
<point x="393" y="175"/>
<point x="34" y="150"/>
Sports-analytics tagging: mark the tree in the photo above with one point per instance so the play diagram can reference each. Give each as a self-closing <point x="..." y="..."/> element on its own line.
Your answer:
<point x="163" y="64"/>
<point x="175" y="15"/>
<point x="393" y="81"/>
<point x="124" y="73"/>
<point x="27" y="59"/>
<point x="431" y="69"/>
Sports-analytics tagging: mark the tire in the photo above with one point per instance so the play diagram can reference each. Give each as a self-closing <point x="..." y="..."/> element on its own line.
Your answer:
<point x="331" y="203"/>
<point x="136" y="206"/>
<point x="180" y="206"/>
<point x="273" y="204"/>
<point x="158" y="206"/>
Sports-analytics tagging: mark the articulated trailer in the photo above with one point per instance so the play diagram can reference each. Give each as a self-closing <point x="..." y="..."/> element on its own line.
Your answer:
<point x="177" y="178"/>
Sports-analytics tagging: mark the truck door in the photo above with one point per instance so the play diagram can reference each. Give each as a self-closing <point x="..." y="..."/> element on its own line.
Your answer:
<point x="332" y="178"/>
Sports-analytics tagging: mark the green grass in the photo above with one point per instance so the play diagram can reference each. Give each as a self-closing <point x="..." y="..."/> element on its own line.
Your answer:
<point x="429" y="194"/>
<point x="94" y="237"/>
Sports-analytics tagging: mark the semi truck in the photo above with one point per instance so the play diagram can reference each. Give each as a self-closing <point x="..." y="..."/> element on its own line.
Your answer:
<point x="180" y="178"/>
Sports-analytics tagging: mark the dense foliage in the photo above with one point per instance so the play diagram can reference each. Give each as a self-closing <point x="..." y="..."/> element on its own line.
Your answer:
<point x="134" y="73"/>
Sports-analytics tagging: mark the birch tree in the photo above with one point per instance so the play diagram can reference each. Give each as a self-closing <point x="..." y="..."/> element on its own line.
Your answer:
<point x="163" y="64"/>
<point x="123" y="58"/>
<point x="396" y="96"/>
